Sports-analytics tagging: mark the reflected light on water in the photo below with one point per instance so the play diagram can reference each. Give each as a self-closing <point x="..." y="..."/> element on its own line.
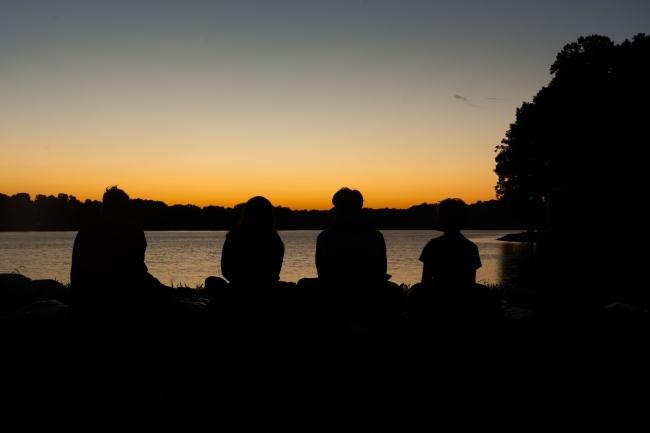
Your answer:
<point x="190" y="257"/>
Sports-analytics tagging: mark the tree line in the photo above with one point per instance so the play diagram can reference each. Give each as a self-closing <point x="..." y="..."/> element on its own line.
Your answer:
<point x="64" y="212"/>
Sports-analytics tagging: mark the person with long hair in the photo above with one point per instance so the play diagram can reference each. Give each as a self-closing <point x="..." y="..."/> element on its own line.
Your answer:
<point x="251" y="261"/>
<point x="253" y="251"/>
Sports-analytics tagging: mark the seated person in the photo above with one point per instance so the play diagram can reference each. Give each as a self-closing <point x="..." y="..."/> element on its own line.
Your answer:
<point x="253" y="251"/>
<point x="351" y="264"/>
<point x="449" y="266"/>
<point x="108" y="259"/>
<point x="251" y="261"/>
<point x="351" y="250"/>
<point x="562" y="260"/>
<point x="451" y="260"/>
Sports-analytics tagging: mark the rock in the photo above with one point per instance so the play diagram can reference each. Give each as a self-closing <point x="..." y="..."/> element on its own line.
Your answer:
<point x="519" y="313"/>
<point x="14" y="291"/>
<point x="42" y="290"/>
<point x="49" y="308"/>
<point x="622" y="316"/>
<point x="17" y="291"/>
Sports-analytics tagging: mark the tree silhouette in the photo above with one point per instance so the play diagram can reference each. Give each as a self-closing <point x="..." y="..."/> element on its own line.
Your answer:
<point x="576" y="131"/>
<point x="587" y="131"/>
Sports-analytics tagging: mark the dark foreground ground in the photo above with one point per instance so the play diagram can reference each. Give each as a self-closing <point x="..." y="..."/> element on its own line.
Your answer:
<point x="195" y="371"/>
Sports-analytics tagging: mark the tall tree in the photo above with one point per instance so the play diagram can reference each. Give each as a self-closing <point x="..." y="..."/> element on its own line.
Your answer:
<point x="577" y="130"/>
<point x="588" y="130"/>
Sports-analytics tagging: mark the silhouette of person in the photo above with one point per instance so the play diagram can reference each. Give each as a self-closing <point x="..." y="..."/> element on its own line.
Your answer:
<point x="449" y="267"/>
<point x="352" y="284"/>
<point x="253" y="251"/>
<point x="251" y="261"/>
<point x="562" y="259"/>
<point x="451" y="260"/>
<point x="108" y="259"/>
<point x="351" y="250"/>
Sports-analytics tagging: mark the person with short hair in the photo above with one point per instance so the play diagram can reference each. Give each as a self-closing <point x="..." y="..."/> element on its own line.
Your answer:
<point x="451" y="260"/>
<point x="108" y="259"/>
<point x="351" y="250"/>
<point x="352" y="285"/>
<point x="449" y="270"/>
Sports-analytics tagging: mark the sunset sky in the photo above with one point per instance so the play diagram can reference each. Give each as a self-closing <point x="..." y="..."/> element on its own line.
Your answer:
<point x="213" y="102"/>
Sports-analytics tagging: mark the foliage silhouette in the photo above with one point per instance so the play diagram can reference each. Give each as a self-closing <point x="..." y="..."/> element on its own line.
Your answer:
<point x="585" y="131"/>
<point x="564" y="138"/>
<point x="67" y="213"/>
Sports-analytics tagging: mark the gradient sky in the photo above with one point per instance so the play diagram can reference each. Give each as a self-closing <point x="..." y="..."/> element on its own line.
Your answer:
<point x="213" y="102"/>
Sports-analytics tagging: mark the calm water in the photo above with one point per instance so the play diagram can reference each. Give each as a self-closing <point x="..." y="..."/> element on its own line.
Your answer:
<point x="189" y="257"/>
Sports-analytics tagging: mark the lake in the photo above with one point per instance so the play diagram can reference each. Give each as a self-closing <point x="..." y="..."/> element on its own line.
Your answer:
<point x="176" y="257"/>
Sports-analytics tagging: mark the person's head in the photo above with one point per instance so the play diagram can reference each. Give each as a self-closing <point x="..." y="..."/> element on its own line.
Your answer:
<point x="347" y="204"/>
<point x="115" y="202"/>
<point x="258" y="213"/>
<point x="562" y="206"/>
<point x="453" y="213"/>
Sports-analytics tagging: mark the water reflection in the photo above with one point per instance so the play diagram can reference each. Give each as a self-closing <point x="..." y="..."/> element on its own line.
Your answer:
<point x="189" y="257"/>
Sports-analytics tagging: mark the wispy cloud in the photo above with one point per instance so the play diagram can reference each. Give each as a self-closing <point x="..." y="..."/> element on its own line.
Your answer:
<point x="497" y="99"/>
<point x="461" y="98"/>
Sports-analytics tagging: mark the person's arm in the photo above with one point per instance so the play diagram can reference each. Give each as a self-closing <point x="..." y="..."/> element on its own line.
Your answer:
<point x="131" y="249"/>
<point x="427" y="275"/>
<point x="141" y="254"/>
<point x="279" y="257"/>
<point x="320" y="266"/>
<point x="384" y="259"/>
<point x="427" y="266"/>
<point x="227" y="260"/>
<point x="477" y="264"/>
<point x="78" y="255"/>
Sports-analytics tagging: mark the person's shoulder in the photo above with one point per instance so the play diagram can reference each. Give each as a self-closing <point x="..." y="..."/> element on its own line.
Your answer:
<point x="273" y="236"/>
<point x="467" y="244"/>
<point x="376" y="233"/>
<point x="433" y="242"/>
<point x="234" y="231"/>
<point x="84" y="235"/>
<point x="323" y="237"/>
<point x="431" y="249"/>
<point x="241" y="233"/>
<point x="467" y="241"/>
<point x="326" y="233"/>
<point x="89" y="231"/>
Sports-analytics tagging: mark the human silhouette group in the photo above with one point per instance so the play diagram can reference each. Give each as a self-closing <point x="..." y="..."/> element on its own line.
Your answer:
<point x="352" y="286"/>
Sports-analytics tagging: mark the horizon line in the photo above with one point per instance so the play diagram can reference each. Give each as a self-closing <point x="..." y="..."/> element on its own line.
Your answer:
<point x="238" y="204"/>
